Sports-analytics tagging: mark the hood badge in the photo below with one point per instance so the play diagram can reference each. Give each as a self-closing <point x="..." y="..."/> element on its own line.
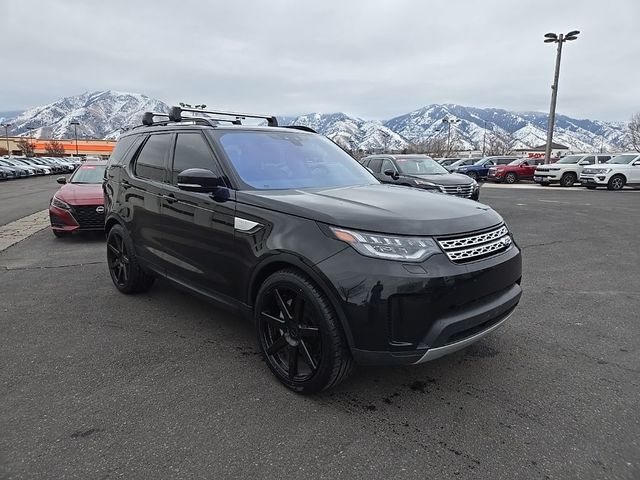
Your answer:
<point x="100" y="209"/>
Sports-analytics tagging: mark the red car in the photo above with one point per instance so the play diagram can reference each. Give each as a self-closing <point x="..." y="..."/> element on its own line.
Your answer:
<point x="519" y="169"/>
<point x="79" y="204"/>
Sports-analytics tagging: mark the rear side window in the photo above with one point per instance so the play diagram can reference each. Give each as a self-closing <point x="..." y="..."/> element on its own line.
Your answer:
<point x="150" y="162"/>
<point x="603" y="158"/>
<point x="122" y="147"/>
<point x="375" y="165"/>
<point x="192" y="151"/>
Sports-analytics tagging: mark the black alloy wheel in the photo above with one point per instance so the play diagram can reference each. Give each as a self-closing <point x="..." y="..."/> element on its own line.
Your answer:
<point x="568" y="179"/>
<point x="299" y="334"/>
<point x="126" y="273"/>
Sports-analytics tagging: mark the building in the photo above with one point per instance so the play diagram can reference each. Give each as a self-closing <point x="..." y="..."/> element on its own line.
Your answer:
<point x="86" y="148"/>
<point x="557" y="150"/>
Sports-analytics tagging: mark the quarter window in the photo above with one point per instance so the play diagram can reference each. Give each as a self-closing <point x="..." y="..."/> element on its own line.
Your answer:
<point x="375" y="165"/>
<point x="192" y="151"/>
<point x="150" y="162"/>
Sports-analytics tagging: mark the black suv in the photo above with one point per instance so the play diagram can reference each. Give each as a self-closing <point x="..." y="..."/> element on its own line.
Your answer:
<point x="282" y="225"/>
<point x="421" y="171"/>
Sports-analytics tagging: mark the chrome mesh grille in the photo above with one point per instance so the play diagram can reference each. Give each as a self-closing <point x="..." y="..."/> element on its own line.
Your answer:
<point x="475" y="247"/>
<point x="458" y="190"/>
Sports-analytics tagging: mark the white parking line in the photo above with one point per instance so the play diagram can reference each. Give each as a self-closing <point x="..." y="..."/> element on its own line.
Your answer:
<point x="531" y="186"/>
<point x="15" y="232"/>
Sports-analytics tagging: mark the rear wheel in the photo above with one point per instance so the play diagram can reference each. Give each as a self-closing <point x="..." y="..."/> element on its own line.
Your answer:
<point x="510" y="178"/>
<point x="568" y="179"/>
<point x="300" y="334"/>
<point x="616" y="182"/>
<point x="126" y="273"/>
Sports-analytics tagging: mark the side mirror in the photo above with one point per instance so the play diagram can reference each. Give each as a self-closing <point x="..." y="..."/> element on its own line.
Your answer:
<point x="199" y="180"/>
<point x="61" y="180"/>
<point x="391" y="173"/>
<point x="583" y="162"/>
<point x="636" y="163"/>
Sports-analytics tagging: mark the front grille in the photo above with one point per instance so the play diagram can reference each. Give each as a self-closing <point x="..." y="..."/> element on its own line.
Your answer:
<point x="475" y="247"/>
<point x="458" y="190"/>
<point x="541" y="169"/>
<point x="87" y="217"/>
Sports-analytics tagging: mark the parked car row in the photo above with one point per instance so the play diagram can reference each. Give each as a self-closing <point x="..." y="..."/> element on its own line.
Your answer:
<point x="21" y="167"/>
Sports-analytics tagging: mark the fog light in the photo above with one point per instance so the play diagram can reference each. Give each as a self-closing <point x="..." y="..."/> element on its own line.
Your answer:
<point x="601" y="178"/>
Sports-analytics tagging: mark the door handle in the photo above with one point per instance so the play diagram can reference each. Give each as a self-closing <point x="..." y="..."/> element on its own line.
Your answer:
<point x="170" y="198"/>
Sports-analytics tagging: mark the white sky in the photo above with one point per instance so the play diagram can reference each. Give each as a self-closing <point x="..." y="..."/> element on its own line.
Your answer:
<point x="376" y="59"/>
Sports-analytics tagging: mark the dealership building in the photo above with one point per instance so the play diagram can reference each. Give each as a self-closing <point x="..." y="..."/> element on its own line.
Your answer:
<point x="81" y="148"/>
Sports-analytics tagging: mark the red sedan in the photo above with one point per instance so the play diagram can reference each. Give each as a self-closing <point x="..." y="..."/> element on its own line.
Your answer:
<point x="79" y="204"/>
<point x="520" y="169"/>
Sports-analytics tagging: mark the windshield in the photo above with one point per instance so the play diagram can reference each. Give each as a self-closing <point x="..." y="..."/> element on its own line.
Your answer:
<point x="420" y="166"/>
<point x="282" y="160"/>
<point x="571" y="159"/>
<point x="482" y="161"/>
<point x="88" y="174"/>
<point x="517" y="161"/>
<point x="459" y="163"/>
<point x="623" y="159"/>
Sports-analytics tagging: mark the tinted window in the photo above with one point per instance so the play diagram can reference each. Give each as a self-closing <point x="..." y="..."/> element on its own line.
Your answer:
<point x="192" y="151"/>
<point x="603" y="158"/>
<point x="150" y="163"/>
<point x="504" y="161"/>
<point x="387" y="165"/>
<point x="375" y="164"/>
<point x="282" y="160"/>
<point x="122" y="147"/>
<point x="591" y="159"/>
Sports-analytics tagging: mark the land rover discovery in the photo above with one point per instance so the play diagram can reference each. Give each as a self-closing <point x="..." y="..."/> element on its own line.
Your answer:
<point x="280" y="224"/>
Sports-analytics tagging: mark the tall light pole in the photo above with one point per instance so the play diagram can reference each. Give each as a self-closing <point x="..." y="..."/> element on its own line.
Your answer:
<point x="75" y="124"/>
<point x="559" y="39"/>
<point x="484" y="137"/>
<point x="449" y="122"/>
<point x="6" y="136"/>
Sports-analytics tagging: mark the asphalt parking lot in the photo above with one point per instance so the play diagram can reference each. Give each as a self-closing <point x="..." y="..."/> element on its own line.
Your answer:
<point x="96" y="384"/>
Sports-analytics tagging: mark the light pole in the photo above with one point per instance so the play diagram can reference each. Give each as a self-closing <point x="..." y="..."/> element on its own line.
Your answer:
<point x="559" y="39"/>
<point x="449" y="122"/>
<point x="484" y="137"/>
<point x="6" y="136"/>
<point x="75" y="124"/>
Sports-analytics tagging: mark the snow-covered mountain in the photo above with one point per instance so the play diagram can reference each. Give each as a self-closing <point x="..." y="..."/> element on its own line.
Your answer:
<point x="104" y="114"/>
<point x="99" y="114"/>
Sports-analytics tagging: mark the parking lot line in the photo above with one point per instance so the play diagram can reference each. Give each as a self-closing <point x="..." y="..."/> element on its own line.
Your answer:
<point x="18" y="230"/>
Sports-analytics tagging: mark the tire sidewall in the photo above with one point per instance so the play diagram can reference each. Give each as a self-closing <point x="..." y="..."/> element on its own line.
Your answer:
<point x="510" y="178"/>
<point x="564" y="181"/>
<point x="118" y="230"/>
<point x="611" y="184"/>
<point x="323" y="315"/>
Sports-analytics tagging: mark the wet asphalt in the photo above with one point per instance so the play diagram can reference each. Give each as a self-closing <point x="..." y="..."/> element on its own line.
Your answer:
<point x="95" y="384"/>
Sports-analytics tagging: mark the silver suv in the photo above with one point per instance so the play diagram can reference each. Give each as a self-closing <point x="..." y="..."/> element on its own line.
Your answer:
<point x="567" y="170"/>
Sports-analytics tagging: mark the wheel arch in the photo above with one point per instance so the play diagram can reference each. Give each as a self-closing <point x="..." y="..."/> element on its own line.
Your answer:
<point x="289" y="261"/>
<point x="110" y="222"/>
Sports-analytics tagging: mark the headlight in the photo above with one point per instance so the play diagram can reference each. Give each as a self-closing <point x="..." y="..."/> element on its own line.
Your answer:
<point x="428" y="185"/>
<point x="556" y="169"/>
<point x="389" y="247"/>
<point x="474" y="185"/>
<point x="56" y="202"/>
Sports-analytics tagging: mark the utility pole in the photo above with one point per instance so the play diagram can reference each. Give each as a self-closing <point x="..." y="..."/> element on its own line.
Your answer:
<point x="75" y="124"/>
<point x="484" y="137"/>
<point x="449" y="122"/>
<point x="559" y="39"/>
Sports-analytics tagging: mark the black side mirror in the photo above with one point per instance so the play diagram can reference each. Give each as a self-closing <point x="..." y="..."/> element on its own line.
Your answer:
<point x="392" y="173"/>
<point x="199" y="180"/>
<point x="636" y="163"/>
<point x="61" y="180"/>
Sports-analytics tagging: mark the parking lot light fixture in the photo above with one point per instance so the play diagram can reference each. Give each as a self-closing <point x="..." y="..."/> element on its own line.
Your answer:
<point x="75" y="124"/>
<point x="559" y="39"/>
<point x="449" y="122"/>
<point x="6" y="136"/>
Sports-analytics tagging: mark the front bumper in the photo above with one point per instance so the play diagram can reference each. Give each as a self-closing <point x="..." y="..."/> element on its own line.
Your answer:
<point x="396" y="314"/>
<point x="75" y="219"/>
<point x="547" y="177"/>
<point x="594" y="179"/>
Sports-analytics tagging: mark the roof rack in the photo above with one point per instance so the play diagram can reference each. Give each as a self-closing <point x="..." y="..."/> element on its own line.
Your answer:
<point x="175" y="115"/>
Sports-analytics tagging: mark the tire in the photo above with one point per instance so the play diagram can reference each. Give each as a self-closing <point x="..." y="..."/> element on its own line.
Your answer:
<point x="61" y="233"/>
<point x="473" y="175"/>
<point x="510" y="178"/>
<point x="568" y="179"/>
<point x="616" y="182"/>
<point x="297" y="327"/>
<point x="126" y="273"/>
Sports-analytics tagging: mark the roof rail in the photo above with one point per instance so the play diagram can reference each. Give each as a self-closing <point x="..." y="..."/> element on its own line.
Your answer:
<point x="175" y="115"/>
<point x="304" y="128"/>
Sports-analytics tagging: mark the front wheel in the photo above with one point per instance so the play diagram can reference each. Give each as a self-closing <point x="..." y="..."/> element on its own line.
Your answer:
<point x="127" y="274"/>
<point x="473" y="175"/>
<point x="299" y="334"/>
<point x="568" y="179"/>
<point x="510" y="178"/>
<point x="616" y="182"/>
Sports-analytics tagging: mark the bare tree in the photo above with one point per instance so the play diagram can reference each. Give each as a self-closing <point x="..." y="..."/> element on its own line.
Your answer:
<point x="26" y="147"/>
<point x="3" y="151"/>
<point x="499" y="143"/>
<point x="634" y="131"/>
<point x="54" y="148"/>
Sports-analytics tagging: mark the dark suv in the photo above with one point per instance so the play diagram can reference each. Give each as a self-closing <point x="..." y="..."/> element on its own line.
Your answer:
<point x="279" y="223"/>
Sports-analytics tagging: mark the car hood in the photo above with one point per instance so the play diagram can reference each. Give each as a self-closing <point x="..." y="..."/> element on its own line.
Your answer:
<point x="81" y="194"/>
<point x="379" y="208"/>
<point x="444" y="179"/>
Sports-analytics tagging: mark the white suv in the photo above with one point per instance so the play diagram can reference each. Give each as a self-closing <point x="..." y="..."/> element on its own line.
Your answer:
<point x="615" y="174"/>
<point x="567" y="170"/>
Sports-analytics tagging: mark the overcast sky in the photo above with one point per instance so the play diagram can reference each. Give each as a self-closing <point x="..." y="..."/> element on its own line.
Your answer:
<point x="375" y="59"/>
